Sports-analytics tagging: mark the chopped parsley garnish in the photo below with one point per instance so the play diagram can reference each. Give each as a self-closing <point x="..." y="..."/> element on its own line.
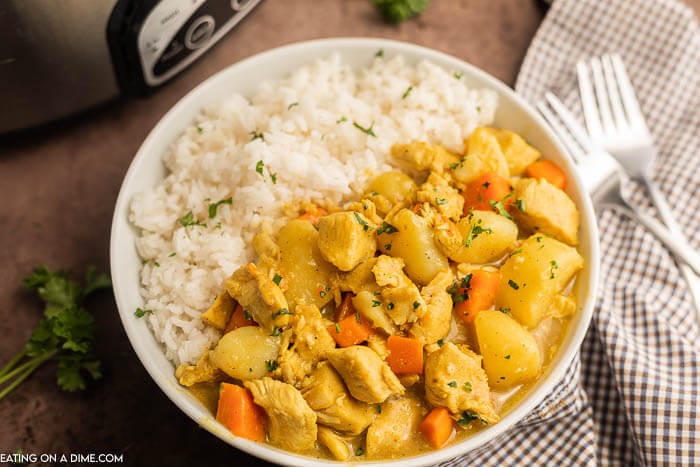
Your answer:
<point x="440" y="201"/>
<point x="408" y="91"/>
<point x="341" y="120"/>
<point x="475" y="231"/>
<point x="520" y="204"/>
<point x="247" y="316"/>
<point x="513" y="284"/>
<point x="485" y="184"/>
<point x="277" y="279"/>
<point x="281" y="312"/>
<point x="380" y="53"/>
<point x="478" y="108"/>
<point x="458" y="75"/>
<point x="390" y="306"/>
<point x="454" y="165"/>
<point x="357" y="318"/>
<point x="337" y="328"/>
<point x="273" y="177"/>
<point x="322" y="294"/>
<point x="499" y="206"/>
<point x="188" y="220"/>
<point x="376" y="303"/>
<point x="259" y="168"/>
<point x="552" y="266"/>
<point x="156" y="263"/>
<point x="502" y="377"/>
<point x="214" y="206"/>
<point x="276" y="331"/>
<point x="368" y="131"/>
<point x="379" y="409"/>
<point x="359" y="452"/>
<point x="388" y="246"/>
<point x="396" y="11"/>
<point x="271" y="365"/>
<point x="362" y="222"/>
<point x="515" y="252"/>
<point x="140" y="312"/>
<point x="469" y="416"/>
<point x="452" y="384"/>
<point x="171" y="254"/>
<point x="504" y="310"/>
<point x="199" y="130"/>
<point x="538" y="238"/>
<point x="416" y="305"/>
<point x="507" y="357"/>
<point x="289" y="107"/>
<point x="440" y="342"/>
<point x="255" y="135"/>
<point x="387" y="228"/>
<point x="374" y="193"/>
<point x="468" y="386"/>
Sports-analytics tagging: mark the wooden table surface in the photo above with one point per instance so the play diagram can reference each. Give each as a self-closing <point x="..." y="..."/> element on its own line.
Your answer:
<point x="59" y="184"/>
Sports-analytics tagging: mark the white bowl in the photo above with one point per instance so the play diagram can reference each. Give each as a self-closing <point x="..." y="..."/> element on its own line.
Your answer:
<point x="147" y="170"/>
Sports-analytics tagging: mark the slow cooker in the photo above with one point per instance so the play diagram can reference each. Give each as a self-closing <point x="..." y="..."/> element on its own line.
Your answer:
<point x="58" y="57"/>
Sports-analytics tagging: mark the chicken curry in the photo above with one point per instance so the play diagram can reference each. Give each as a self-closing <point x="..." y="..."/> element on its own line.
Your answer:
<point x="409" y="320"/>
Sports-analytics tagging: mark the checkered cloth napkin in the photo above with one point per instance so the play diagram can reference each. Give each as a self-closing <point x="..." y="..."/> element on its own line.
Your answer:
<point x="632" y="396"/>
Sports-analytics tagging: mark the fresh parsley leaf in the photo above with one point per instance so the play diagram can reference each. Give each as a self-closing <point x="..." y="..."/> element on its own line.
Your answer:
<point x="277" y="279"/>
<point x="276" y="331"/>
<point x="440" y="201"/>
<point x="282" y="311"/>
<point x="140" y="313"/>
<point x="189" y="220"/>
<point x="416" y="305"/>
<point x="458" y="75"/>
<point x="337" y="328"/>
<point x="376" y="303"/>
<point x="387" y="229"/>
<point x="440" y="342"/>
<point x="359" y="452"/>
<point x="362" y="222"/>
<point x="504" y="310"/>
<point x="293" y="104"/>
<point x="380" y="53"/>
<point x="271" y="365"/>
<point x="256" y="135"/>
<point x="513" y="285"/>
<point x="452" y="384"/>
<point x="469" y="416"/>
<point x="408" y="91"/>
<point x="214" y="206"/>
<point x="520" y="204"/>
<point x="341" y="120"/>
<point x="499" y="206"/>
<point x="369" y="130"/>
<point x="390" y="306"/>
<point x="468" y="386"/>
<point x="273" y="177"/>
<point x="259" y="168"/>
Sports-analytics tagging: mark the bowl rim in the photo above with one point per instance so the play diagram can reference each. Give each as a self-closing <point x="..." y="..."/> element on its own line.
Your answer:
<point x="276" y="455"/>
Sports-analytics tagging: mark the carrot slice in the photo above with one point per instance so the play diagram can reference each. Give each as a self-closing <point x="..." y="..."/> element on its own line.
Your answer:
<point x="353" y="330"/>
<point x="238" y="412"/>
<point x="405" y="355"/>
<point x="487" y="187"/>
<point x="478" y="295"/>
<point x="549" y="171"/>
<point x="314" y="216"/>
<point x="346" y="309"/>
<point x="437" y="427"/>
<point x="239" y="318"/>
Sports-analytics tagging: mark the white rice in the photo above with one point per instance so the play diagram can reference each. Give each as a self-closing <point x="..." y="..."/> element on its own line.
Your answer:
<point x="314" y="149"/>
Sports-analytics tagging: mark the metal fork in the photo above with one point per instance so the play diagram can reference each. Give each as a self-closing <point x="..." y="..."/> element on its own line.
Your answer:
<point x="615" y="122"/>
<point x="603" y="176"/>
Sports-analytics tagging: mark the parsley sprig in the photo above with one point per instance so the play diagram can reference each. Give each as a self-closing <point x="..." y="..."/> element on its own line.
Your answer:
<point x="65" y="333"/>
<point x="396" y="11"/>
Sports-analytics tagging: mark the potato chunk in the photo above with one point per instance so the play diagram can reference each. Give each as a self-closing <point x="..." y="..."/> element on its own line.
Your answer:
<point x="482" y="154"/>
<point x="391" y="188"/>
<point x="413" y="241"/>
<point x="532" y="277"/>
<point x="303" y="269"/>
<point x="242" y="353"/>
<point x="510" y="353"/>
<point x="345" y="239"/>
<point x="547" y="210"/>
<point x="479" y="238"/>
<point x="517" y="152"/>
<point x="395" y="431"/>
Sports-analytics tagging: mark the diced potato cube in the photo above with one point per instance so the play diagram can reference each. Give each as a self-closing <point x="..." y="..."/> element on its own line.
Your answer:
<point x="533" y="275"/>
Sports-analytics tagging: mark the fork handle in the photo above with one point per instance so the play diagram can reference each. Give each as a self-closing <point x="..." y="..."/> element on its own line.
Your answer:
<point x="680" y="248"/>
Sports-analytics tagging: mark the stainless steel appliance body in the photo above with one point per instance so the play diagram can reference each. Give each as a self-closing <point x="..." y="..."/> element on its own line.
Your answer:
<point x="58" y="57"/>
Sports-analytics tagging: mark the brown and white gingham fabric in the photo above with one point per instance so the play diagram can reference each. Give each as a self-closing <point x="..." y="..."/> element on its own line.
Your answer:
<point x="632" y="396"/>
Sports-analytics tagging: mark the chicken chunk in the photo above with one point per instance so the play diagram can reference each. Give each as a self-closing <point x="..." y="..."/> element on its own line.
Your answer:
<point x="268" y="251"/>
<point x="359" y="279"/>
<point x="203" y="372"/>
<point x="401" y="298"/>
<point x="454" y="379"/>
<point x="395" y="431"/>
<point x="304" y="344"/>
<point x="438" y="192"/>
<point x="482" y="154"/>
<point x="256" y="292"/>
<point x="548" y="210"/>
<point x="346" y="239"/>
<point x="517" y="152"/>
<point x="367" y="208"/>
<point x="435" y="323"/>
<point x="420" y="155"/>
<point x="562" y="306"/>
<point x="219" y="313"/>
<point x="367" y="377"/>
<point x="291" y="422"/>
<point x="335" y="445"/>
<point x="326" y="394"/>
<point x="378" y="343"/>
